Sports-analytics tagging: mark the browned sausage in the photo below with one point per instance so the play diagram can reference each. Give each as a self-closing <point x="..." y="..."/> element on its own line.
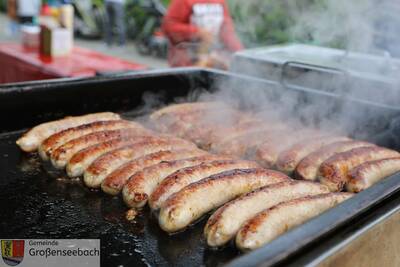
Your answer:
<point x="308" y="167"/>
<point x="56" y="140"/>
<point x="141" y="185"/>
<point x="31" y="140"/>
<point x="371" y="172"/>
<point x="288" y="159"/>
<point x="184" y="177"/>
<point x="227" y="220"/>
<point x="267" y="153"/>
<point x="238" y="145"/>
<point x="61" y="156"/>
<point x="271" y="223"/>
<point x="115" y="180"/>
<point x="196" y="199"/>
<point x="334" y="171"/>
<point x="83" y="158"/>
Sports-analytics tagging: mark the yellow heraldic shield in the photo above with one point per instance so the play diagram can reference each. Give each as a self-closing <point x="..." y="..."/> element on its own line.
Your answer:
<point x="12" y="251"/>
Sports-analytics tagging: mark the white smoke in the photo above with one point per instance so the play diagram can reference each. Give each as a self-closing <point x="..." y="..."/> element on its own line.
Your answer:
<point x="358" y="26"/>
<point x="349" y="23"/>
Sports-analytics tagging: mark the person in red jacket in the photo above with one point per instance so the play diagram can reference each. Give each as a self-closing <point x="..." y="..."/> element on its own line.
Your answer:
<point x="197" y="29"/>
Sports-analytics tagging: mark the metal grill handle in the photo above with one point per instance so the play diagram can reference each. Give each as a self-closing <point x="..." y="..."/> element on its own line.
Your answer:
<point x="312" y="67"/>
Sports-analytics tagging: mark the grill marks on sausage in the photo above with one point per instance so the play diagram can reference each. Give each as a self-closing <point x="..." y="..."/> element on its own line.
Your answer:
<point x="116" y="177"/>
<point x="186" y="176"/>
<point x="268" y="152"/>
<point x="198" y="198"/>
<point x="31" y="140"/>
<point x="179" y="118"/>
<point x="308" y="167"/>
<point x="56" y="140"/>
<point x="185" y="183"/>
<point x="227" y="220"/>
<point x="288" y="159"/>
<point x="64" y="153"/>
<point x="371" y="172"/>
<point x="141" y="185"/>
<point x="334" y="171"/>
<point x="82" y="159"/>
<point x="239" y="145"/>
<point x="269" y="224"/>
<point x="111" y="159"/>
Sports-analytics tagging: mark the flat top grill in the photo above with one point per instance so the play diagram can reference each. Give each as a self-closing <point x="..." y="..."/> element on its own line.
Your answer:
<point x="37" y="203"/>
<point x="329" y="57"/>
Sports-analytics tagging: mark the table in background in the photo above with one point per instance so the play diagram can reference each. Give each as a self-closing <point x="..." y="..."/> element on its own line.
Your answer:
<point x="20" y="64"/>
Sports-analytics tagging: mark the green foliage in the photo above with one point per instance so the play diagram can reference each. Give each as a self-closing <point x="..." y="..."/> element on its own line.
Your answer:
<point x="3" y="5"/>
<point x="98" y="3"/>
<point x="269" y="22"/>
<point x="266" y="22"/>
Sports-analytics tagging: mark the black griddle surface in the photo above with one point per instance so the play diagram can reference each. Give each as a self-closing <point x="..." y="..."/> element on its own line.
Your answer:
<point x="38" y="202"/>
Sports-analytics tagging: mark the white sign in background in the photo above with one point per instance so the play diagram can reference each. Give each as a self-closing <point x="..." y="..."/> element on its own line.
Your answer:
<point x="50" y="252"/>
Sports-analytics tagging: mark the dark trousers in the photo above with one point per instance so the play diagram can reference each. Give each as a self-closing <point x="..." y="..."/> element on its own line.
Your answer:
<point x="114" y="18"/>
<point x="25" y="19"/>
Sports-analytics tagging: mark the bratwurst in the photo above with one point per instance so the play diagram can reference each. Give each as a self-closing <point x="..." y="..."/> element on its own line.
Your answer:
<point x="178" y="180"/>
<point x="142" y="184"/>
<point x="334" y="171"/>
<point x="308" y="167"/>
<point x="61" y="156"/>
<point x="30" y="141"/>
<point x="195" y="200"/>
<point x="82" y="160"/>
<point x="108" y="162"/>
<point x="115" y="181"/>
<point x="371" y="172"/>
<point x="288" y="159"/>
<point x="58" y="139"/>
<point x="227" y="220"/>
<point x="271" y="223"/>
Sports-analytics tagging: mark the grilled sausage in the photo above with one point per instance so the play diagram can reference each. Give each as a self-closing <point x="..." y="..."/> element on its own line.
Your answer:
<point x="120" y="150"/>
<point x="185" y="108"/>
<point x="203" y="118"/>
<point x="180" y="126"/>
<point x="237" y="145"/>
<point x="196" y="199"/>
<point x="308" y="167"/>
<point x="56" y="140"/>
<point x="267" y="153"/>
<point x="212" y="128"/>
<point x="209" y="131"/>
<point x="334" y="171"/>
<point x="178" y="180"/>
<point x="140" y="186"/>
<point x="271" y="223"/>
<point x="61" y="156"/>
<point x="31" y="140"/>
<point x="108" y="162"/>
<point x="227" y="220"/>
<point x="114" y="182"/>
<point x="180" y="117"/>
<point x="288" y="159"/>
<point x="371" y="172"/>
<point x="224" y="133"/>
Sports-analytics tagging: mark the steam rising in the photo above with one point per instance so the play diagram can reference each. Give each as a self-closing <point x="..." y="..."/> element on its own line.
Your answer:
<point x="361" y="26"/>
<point x="340" y="21"/>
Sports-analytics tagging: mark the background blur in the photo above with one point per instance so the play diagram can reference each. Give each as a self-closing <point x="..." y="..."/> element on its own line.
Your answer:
<point x="355" y="25"/>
